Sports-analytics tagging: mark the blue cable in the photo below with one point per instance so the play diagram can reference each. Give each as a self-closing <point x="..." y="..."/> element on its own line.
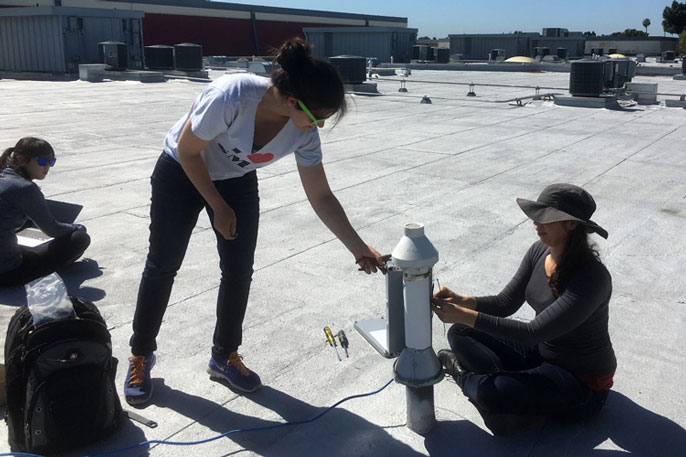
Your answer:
<point x="230" y="432"/>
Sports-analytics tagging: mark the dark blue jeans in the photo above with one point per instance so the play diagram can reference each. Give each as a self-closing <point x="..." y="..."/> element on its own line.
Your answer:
<point x="503" y="377"/>
<point x="174" y="212"/>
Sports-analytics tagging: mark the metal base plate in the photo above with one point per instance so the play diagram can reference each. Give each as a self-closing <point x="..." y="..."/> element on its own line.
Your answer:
<point x="374" y="331"/>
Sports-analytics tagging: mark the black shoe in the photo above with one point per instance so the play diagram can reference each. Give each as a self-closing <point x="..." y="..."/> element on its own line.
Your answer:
<point x="450" y="363"/>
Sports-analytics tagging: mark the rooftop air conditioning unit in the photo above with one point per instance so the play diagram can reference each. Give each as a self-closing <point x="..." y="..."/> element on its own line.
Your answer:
<point x="419" y="52"/>
<point x="590" y="78"/>
<point x="618" y="72"/>
<point x="114" y="54"/>
<point x="442" y="55"/>
<point x="586" y="78"/>
<point x="668" y="56"/>
<point x="353" y="69"/>
<point x="541" y="51"/>
<point x="188" y="57"/>
<point x="159" y="57"/>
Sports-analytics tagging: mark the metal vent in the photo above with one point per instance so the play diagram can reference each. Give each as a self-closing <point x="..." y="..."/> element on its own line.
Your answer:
<point x="351" y="68"/>
<point x="159" y="57"/>
<point x="562" y="53"/>
<point x="188" y="57"/>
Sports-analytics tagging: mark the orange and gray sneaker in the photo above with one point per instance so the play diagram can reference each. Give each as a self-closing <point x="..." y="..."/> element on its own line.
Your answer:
<point x="138" y="384"/>
<point x="235" y="373"/>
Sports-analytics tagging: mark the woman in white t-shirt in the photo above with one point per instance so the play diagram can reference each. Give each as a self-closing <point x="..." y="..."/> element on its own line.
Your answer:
<point x="239" y="123"/>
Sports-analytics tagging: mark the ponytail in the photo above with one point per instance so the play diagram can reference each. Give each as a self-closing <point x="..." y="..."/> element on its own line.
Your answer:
<point x="313" y="81"/>
<point x="5" y="158"/>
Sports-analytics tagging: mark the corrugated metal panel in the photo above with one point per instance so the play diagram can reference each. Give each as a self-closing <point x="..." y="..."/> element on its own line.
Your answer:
<point x="379" y="44"/>
<point x="59" y="43"/>
<point x="477" y="47"/>
<point x="32" y="44"/>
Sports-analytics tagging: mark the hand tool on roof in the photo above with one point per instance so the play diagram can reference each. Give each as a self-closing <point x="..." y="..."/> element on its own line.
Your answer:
<point x="140" y="419"/>
<point x="344" y="341"/>
<point x="332" y="341"/>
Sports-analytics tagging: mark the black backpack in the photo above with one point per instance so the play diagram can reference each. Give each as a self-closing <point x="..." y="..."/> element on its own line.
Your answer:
<point x="60" y="381"/>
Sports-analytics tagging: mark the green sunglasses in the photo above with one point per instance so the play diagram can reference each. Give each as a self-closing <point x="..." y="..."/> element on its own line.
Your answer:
<point x="315" y="121"/>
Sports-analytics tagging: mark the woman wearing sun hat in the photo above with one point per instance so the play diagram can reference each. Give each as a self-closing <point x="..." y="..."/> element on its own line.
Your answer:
<point x="559" y="365"/>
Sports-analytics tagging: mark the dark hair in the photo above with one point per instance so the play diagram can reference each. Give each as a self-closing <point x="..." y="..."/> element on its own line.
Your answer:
<point x="313" y="81"/>
<point x="577" y="252"/>
<point x="28" y="148"/>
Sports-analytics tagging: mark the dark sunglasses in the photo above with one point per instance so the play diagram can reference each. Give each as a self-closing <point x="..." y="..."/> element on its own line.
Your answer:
<point x="43" y="161"/>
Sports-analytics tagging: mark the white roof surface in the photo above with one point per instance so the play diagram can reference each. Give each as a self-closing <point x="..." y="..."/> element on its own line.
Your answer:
<point x="456" y="166"/>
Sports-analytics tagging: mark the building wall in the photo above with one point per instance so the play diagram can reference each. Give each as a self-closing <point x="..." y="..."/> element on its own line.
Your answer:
<point x="574" y="45"/>
<point x="222" y="28"/>
<point x="477" y="47"/>
<point x="57" y="39"/>
<point x="382" y="43"/>
<point x="632" y="46"/>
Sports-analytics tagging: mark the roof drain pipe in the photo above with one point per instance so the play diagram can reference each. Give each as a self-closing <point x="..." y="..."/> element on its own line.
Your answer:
<point x="417" y="368"/>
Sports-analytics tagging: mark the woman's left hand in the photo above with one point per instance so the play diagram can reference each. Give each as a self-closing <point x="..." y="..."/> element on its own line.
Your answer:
<point x="369" y="260"/>
<point x="451" y="313"/>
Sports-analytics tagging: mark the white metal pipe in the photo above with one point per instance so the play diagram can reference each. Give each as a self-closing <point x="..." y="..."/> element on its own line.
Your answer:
<point x="416" y="293"/>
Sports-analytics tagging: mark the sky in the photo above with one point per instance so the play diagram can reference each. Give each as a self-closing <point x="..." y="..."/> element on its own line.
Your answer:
<point x="440" y="18"/>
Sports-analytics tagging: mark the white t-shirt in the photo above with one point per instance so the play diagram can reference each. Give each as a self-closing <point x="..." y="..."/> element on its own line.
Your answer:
<point x="224" y="114"/>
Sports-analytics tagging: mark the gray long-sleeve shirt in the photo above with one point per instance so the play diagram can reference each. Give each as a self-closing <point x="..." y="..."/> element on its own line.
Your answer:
<point x="571" y="330"/>
<point x="21" y="199"/>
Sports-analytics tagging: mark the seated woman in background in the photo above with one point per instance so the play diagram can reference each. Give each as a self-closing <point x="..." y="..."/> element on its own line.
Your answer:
<point x="559" y="365"/>
<point x="20" y="200"/>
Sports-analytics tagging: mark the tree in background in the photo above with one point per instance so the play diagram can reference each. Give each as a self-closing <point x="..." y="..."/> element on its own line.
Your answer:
<point x="681" y="45"/>
<point x="630" y="32"/>
<point x="674" y="18"/>
<point x="646" y="23"/>
<point x="589" y="33"/>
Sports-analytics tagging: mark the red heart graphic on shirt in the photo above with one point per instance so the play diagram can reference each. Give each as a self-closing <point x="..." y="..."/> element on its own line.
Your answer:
<point x="260" y="158"/>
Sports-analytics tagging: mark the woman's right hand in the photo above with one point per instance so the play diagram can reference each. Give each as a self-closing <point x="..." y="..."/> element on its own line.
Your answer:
<point x="225" y="222"/>
<point x="449" y="296"/>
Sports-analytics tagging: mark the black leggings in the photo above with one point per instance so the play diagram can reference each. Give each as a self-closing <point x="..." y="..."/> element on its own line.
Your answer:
<point x="46" y="258"/>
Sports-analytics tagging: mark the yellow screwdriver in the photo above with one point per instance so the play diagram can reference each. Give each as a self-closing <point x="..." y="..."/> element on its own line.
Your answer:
<point x="332" y="341"/>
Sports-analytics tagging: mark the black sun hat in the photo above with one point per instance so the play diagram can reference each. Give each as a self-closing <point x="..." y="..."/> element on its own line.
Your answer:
<point x="563" y="202"/>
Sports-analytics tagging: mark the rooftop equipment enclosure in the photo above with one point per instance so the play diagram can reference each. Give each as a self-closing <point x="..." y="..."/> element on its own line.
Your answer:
<point x="380" y="42"/>
<point x="52" y="39"/>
